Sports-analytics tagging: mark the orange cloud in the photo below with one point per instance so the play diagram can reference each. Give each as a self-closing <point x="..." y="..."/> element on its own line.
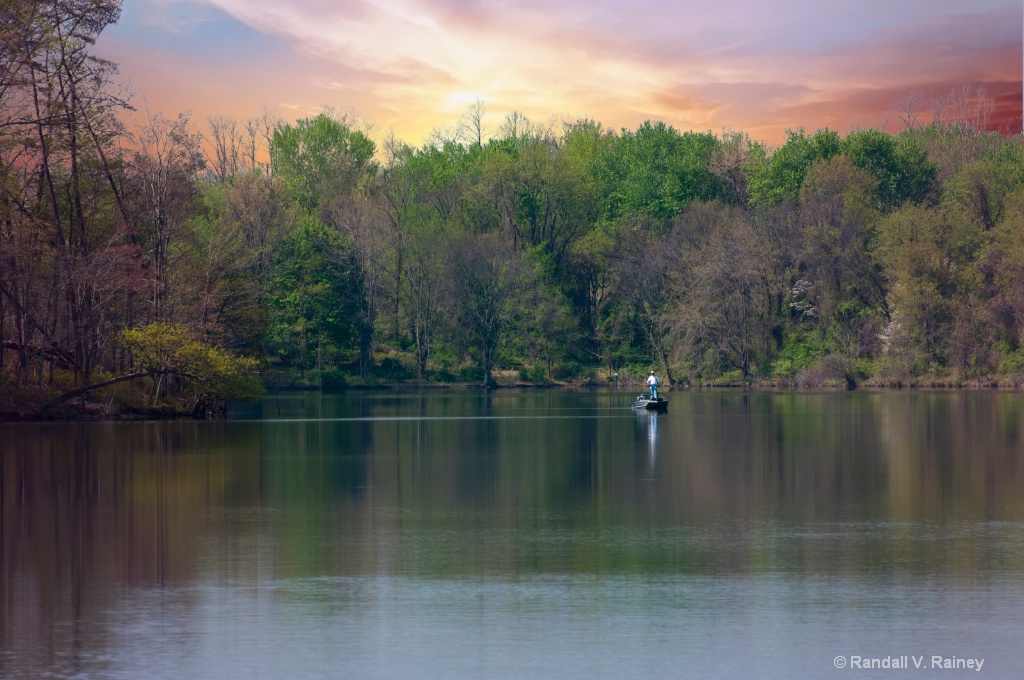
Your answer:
<point x="412" y="65"/>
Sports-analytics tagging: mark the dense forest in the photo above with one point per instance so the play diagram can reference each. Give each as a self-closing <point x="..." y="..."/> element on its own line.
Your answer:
<point x="206" y="259"/>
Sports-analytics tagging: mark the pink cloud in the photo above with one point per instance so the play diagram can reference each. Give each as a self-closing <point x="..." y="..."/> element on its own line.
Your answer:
<point x="411" y="65"/>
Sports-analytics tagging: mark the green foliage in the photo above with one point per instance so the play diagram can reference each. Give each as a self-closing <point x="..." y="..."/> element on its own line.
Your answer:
<point x="470" y="374"/>
<point x="164" y="348"/>
<point x="799" y="352"/>
<point x="777" y="178"/>
<point x="981" y="188"/>
<point x="828" y="257"/>
<point x="533" y="374"/>
<point x="488" y="284"/>
<point x="566" y="370"/>
<point x="656" y="171"/>
<point x="313" y="297"/>
<point x="1012" y="365"/>
<point x="334" y="378"/>
<point x="899" y="164"/>
<point x="559" y="253"/>
<point x="320" y="157"/>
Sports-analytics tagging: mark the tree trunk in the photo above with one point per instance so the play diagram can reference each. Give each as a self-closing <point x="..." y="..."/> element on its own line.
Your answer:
<point x="89" y="388"/>
<point x="158" y="381"/>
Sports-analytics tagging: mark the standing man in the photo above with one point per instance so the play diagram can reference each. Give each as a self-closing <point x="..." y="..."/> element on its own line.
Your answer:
<point x="653" y="381"/>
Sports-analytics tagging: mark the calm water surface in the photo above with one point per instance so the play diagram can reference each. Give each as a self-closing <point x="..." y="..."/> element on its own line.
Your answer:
<point x="522" y="534"/>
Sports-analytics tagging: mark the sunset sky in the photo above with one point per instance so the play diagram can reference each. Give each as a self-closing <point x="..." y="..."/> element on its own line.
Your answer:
<point x="409" y="66"/>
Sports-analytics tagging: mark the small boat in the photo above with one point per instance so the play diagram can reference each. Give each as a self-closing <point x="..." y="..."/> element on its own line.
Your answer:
<point x="645" y="402"/>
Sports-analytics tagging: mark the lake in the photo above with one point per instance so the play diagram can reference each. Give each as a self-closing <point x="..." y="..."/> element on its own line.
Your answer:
<point x="522" y="534"/>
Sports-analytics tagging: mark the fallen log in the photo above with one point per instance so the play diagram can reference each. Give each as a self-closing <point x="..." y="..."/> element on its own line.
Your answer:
<point x="78" y="391"/>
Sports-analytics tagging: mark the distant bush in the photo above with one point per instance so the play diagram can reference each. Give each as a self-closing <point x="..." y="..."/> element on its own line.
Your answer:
<point x="472" y="374"/>
<point x="333" y="378"/>
<point x="533" y="374"/>
<point x="1013" y="366"/>
<point x="798" y="353"/>
<point x="566" y="370"/>
<point x="393" y="370"/>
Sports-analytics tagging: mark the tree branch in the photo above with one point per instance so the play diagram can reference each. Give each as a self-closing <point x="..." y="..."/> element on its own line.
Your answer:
<point x="89" y="388"/>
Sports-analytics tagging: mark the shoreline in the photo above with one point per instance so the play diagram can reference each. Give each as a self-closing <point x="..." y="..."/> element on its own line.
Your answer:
<point x="11" y="411"/>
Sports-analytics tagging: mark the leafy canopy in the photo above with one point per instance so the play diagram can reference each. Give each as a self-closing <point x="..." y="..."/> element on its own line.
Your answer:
<point x="167" y="348"/>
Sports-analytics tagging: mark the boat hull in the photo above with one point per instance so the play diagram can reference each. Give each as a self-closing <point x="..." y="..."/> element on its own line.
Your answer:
<point x="646" y="404"/>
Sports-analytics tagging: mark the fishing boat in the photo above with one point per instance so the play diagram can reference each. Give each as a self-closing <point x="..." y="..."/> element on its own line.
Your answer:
<point x="644" y="401"/>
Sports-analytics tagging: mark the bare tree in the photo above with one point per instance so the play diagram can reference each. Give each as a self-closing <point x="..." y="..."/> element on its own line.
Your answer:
<point x="966" y="113"/>
<point x="251" y="145"/>
<point x="970" y="108"/>
<point x="909" y="109"/>
<point x="728" y="162"/>
<point x="424" y="290"/>
<point x="643" y="269"/>
<point x="57" y="123"/>
<point x="472" y="122"/>
<point x="227" y="142"/>
<point x="164" y="164"/>
<point x="516" y="124"/>
<point x="719" y="287"/>
<point x="259" y="134"/>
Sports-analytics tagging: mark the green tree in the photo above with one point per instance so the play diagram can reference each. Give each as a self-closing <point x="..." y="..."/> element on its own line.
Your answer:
<point x="898" y="163"/>
<point x="162" y="349"/>
<point x="312" y="297"/>
<point x="776" y="178"/>
<point x="929" y="255"/>
<point x="656" y="171"/>
<point x="839" y="284"/>
<point x="1002" y="268"/>
<point x="166" y="353"/>
<point x="319" y="158"/>
<point x="981" y="187"/>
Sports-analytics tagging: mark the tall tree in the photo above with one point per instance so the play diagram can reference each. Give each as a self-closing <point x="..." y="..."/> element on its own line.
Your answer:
<point x="319" y="158"/>
<point x="162" y="179"/>
<point x="313" y="298"/>
<point x="487" y="280"/>
<point x="644" y="265"/>
<point x="721" y="313"/>
<point x="56" y="130"/>
<point x="227" y="145"/>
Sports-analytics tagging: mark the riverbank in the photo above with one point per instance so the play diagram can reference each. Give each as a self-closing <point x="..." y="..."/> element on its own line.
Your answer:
<point x="23" y="404"/>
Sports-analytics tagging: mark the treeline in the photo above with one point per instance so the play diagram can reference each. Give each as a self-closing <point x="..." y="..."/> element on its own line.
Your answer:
<point x="557" y="252"/>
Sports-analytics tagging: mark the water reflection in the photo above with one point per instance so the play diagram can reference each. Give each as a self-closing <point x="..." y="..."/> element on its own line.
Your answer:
<point x="858" y="513"/>
<point x="652" y="438"/>
<point x="647" y="430"/>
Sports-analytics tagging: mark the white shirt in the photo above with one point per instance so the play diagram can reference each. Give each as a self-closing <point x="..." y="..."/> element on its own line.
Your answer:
<point x="653" y="380"/>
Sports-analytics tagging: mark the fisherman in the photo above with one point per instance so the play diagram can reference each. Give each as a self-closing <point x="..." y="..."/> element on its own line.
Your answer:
<point x="653" y="381"/>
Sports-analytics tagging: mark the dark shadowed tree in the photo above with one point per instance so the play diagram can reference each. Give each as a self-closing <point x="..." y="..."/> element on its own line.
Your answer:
<point x="58" y="183"/>
<point x="487" y="281"/>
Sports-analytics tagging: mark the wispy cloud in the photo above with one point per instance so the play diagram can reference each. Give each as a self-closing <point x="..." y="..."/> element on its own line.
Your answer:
<point x="411" y="65"/>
